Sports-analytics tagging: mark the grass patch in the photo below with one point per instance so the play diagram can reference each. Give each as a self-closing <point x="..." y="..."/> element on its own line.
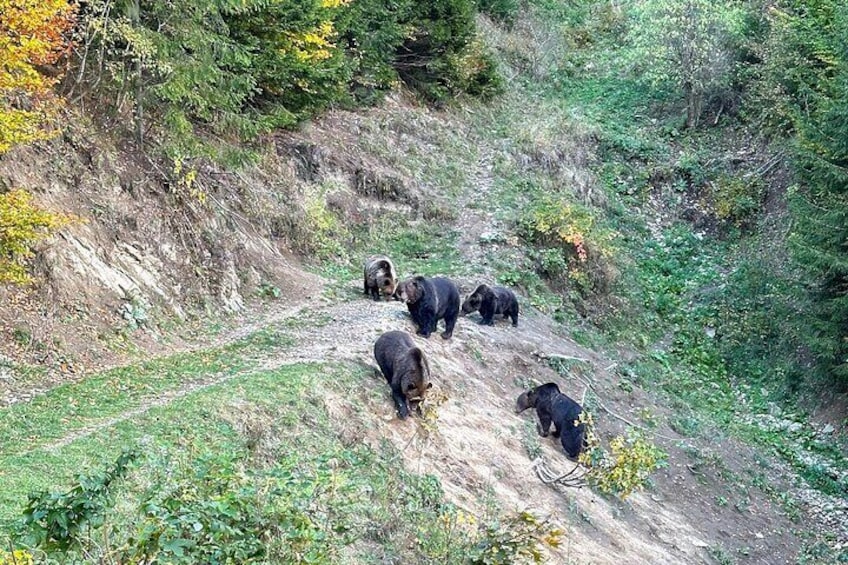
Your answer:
<point x="252" y="470"/>
<point x="71" y="407"/>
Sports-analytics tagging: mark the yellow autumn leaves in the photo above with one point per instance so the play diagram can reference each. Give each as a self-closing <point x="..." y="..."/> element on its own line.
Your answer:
<point x="33" y="37"/>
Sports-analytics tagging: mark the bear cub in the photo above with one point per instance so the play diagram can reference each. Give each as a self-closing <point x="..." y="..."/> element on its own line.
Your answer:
<point x="405" y="368"/>
<point x="553" y="406"/>
<point x="428" y="301"/>
<point x="379" y="277"/>
<point x="490" y="301"/>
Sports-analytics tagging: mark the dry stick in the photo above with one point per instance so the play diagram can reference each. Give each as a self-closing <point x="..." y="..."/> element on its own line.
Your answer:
<point x="547" y="477"/>
<point x="547" y="471"/>
<point x="601" y="405"/>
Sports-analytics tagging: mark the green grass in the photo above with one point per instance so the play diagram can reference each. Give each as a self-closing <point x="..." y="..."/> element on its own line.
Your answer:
<point x="256" y="465"/>
<point x="71" y="407"/>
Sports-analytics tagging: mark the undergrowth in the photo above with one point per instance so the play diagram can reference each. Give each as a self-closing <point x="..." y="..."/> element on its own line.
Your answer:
<point x="254" y="471"/>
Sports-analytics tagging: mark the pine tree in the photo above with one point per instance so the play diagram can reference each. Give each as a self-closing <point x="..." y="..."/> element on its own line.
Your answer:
<point x="820" y="204"/>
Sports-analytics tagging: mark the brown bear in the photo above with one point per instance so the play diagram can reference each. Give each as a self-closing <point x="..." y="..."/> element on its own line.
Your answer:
<point x="379" y="277"/>
<point x="428" y="301"/>
<point x="552" y="406"/>
<point x="405" y="368"/>
<point x="492" y="300"/>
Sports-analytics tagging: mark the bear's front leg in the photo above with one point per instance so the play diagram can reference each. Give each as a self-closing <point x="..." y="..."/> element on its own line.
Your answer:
<point x="487" y="312"/>
<point x="427" y="324"/>
<point x="401" y="403"/>
<point x="544" y="426"/>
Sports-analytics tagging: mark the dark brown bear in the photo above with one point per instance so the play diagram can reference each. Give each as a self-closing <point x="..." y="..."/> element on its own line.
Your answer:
<point x="379" y="277"/>
<point x="404" y="367"/>
<point x="492" y="300"/>
<point x="553" y="406"/>
<point x="429" y="300"/>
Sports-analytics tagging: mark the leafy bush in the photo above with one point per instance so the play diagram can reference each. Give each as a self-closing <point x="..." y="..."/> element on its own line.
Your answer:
<point x="738" y="200"/>
<point x="626" y="467"/>
<point x="59" y="520"/>
<point x="572" y="247"/>
<point x="518" y="538"/>
<point x="22" y="225"/>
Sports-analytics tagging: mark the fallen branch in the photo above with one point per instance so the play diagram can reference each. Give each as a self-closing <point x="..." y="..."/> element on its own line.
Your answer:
<point x="548" y="477"/>
<point x="557" y="356"/>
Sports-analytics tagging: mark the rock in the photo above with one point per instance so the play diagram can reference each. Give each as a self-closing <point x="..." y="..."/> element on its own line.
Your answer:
<point x="699" y="543"/>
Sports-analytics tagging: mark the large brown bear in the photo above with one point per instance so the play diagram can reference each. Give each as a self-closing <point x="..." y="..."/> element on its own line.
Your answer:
<point x="428" y="301"/>
<point x="552" y="406"/>
<point x="405" y="368"/>
<point x="379" y="277"/>
<point x="490" y="301"/>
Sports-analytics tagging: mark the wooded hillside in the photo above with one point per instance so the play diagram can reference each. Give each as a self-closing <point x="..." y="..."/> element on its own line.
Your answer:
<point x="188" y="191"/>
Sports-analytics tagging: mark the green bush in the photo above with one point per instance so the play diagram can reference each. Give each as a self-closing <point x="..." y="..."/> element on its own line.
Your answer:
<point x="62" y="520"/>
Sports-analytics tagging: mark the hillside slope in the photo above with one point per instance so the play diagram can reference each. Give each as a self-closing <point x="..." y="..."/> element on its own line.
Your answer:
<point x="701" y="505"/>
<point x="228" y="325"/>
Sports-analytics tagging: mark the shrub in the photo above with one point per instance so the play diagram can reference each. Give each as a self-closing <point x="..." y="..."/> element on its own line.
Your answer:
<point x="738" y="201"/>
<point x="22" y="225"/>
<point x="626" y="467"/>
<point x="59" y="520"/>
<point x="518" y="538"/>
<point x="572" y="248"/>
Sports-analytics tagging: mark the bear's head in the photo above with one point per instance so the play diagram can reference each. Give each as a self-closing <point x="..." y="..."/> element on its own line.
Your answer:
<point x="530" y="398"/>
<point x="409" y="291"/>
<point x="387" y="285"/>
<point x="473" y="302"/>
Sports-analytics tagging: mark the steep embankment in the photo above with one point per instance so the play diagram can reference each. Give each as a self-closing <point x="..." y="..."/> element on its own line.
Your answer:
<point x="479" y="450"/>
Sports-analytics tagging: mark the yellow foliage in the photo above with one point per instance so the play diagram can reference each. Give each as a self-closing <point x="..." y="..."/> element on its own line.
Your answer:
<point x="22" y="224"/>
<point x="33" y="33"/>
<point x="313" y="46"/>
<point x="16" y="557"/>
<point x="625" y="468"/>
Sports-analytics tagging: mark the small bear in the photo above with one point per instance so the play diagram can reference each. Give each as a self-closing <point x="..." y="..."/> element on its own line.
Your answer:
<point x="405" y="368"/>
<point x="492" y="300"/>
<point x="428" y="301"/>
<point x="379" y="277"/>
<point x="553" y="406"/>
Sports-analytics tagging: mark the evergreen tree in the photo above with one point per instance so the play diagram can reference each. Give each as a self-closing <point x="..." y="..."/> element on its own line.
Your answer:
<point x="820" y="204"/>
